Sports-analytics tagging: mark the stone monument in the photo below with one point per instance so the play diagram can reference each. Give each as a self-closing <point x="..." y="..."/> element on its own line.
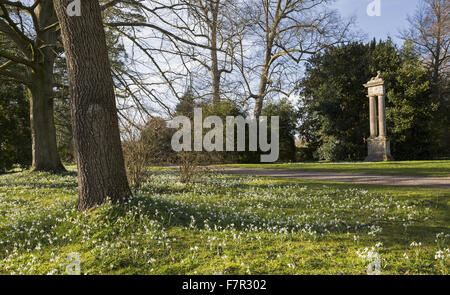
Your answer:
<point x="378" y="144"/>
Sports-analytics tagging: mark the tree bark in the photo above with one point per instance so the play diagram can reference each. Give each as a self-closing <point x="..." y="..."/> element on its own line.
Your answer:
<point x="264" y="80"/>
<point x="43" y="131"/>
<point x="101" y="169"/>
<point x="259" y="100"/>
<point x="270" y="30"/>
<point x="215" y="73"/>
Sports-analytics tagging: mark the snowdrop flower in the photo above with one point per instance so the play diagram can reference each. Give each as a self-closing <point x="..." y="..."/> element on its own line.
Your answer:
<point x="439" y="255"/>
<point x="52" y="272"/>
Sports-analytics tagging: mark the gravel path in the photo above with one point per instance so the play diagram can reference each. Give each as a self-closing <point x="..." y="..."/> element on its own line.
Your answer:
<point x="395" y="180"/>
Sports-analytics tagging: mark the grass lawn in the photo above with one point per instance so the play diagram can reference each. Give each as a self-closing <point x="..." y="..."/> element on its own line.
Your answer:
<point x="414" y="168"/>
<point x="224" y="224"/>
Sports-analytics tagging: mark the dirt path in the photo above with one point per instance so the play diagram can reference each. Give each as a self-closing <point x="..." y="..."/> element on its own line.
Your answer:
<point x="395" y="180"/>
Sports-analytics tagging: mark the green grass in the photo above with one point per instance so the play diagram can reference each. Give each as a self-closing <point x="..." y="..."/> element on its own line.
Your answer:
<point x="223" y="224"/>
<point x="413" y="168"/>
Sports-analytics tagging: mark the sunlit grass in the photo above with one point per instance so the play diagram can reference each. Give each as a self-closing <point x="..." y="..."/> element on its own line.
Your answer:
<point x="414" y="168"/>
<point x="223" y="225"/>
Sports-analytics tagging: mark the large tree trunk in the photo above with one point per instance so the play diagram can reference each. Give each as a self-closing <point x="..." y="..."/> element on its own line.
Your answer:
<point x="43" y="132"/>
<point x="263" y="82"/>
<point x="215" y="73"/>
<point x="101" y="170"/>
<point x="259" y="100"/>
<point x="215" y="77"/>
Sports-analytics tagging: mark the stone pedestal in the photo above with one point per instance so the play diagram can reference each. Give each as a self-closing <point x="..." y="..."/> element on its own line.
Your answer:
<point x="378" y="145"/>
<point x="378" y="150"/>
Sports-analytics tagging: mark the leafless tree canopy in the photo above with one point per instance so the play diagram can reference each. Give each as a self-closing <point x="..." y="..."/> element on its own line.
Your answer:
<point x="430" y="32"/>
<point x="246" y="51"/>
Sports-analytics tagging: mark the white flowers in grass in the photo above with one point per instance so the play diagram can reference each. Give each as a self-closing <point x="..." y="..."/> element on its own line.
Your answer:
<point x="368" y="254"/>
<point x="442" y="254"/>
<point x="441" y="238"/>
<point x="439" y="255"/>
<point x="442" y="235"/>
<point x="374" y="258"/>
<point x="291" y="265"/>
<point x="244" y="212"/>
<point x="415" y="244"/>
<point x="52" y="272"/>
<point x="371" y="254"/>
<point x="374" y="230"/>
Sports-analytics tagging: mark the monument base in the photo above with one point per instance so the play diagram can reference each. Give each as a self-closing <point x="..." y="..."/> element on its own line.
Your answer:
<point x="379" y="150"/>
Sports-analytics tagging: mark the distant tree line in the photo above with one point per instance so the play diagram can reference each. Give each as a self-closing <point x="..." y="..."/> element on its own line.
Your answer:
<point x="334" y="105"/>
<point x="15" y="135"/>
<point x="331" y="117"/>
<point x="156" y="136"/>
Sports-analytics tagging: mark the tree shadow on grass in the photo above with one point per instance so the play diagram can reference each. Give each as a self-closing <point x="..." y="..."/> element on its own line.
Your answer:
<point x="176" y="213"/>
<point x="16" y="232"/>
<point x="34" y="182"/>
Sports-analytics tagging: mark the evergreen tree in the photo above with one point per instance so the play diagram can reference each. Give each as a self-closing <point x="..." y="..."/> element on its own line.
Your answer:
<point x="333" y="110"/>
<point x="288" y="118"/>
<point x="334" y="105"/>
<point x="15" y="136"/>
<point x="410" y="109"/>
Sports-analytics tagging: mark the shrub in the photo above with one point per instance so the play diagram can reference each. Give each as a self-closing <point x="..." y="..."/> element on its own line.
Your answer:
<point x="15" y="134"/>
<point x="288" y="118"/>
<point x="156" y="136"/>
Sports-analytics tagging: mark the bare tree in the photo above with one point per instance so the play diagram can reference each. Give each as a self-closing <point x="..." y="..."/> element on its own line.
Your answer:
<point x="286" y="31"/>
<point x="430" y="32"/>
<point x="184" y="41"/>
<point x="216" y="23"/>
<point x="101" y="170"/>
<point x="32" y="29"/>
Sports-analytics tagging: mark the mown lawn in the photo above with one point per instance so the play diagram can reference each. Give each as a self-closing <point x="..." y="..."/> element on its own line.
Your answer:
<point x="414" y="168"/>
<point x="223" y="224"/>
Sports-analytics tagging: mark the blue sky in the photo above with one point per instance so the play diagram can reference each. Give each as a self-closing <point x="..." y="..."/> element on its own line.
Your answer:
<point x="392" y="18"/>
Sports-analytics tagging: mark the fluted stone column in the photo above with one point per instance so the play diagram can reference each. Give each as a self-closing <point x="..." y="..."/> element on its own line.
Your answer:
<point x="378" y="145"/>
<point x="373" y="116"/>
<point x="381" y="116"/>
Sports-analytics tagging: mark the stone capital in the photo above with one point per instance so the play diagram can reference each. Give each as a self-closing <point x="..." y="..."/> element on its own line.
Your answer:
<point x="375" y="89"/>
<point x="375" y="86"/>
